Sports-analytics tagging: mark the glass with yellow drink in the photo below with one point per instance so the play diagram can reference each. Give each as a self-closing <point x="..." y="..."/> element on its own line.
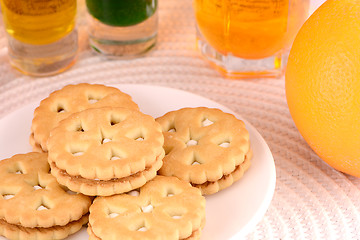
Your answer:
<point x="248" y="38"/>
<point x="42" y="38"/>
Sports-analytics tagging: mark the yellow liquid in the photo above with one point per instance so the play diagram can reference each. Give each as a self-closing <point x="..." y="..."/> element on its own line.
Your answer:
<point x="39" y="21"/>
<point x="250" y="29"/>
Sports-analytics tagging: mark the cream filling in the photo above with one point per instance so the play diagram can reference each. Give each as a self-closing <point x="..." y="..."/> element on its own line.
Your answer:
<point x="245" y="164"/>
<point x="81" y="179"/>
<point x="15" y="227"/>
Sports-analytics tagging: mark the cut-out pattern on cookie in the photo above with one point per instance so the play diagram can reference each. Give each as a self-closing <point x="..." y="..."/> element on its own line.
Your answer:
<point x="60" y="108"/>
<point x="38" y="187"/>
<point x="115" y="155"/>
<point x="77" y="150"/>
<point x="113" y="158"/>
<point x="206" y="122"/>
<point x="137" y="135"/>
<point x="114" y="121"/>
<point x="16" y="169"/>
<point x="79" y="128"/>
<point x="140" y="226"/>
<point x="170" y="192"/>
<point x="42" y="207"/>
<point x="142" y="229"/>
<point x="113" y="212"/>
<point x="92" y="101"/>
<point x="8" y="196"/>
<point x="169" y="127"/>
<point x="113" y="215"/>
<point x="77" y="154"/>
<point x="195" y="160"/>
<point x="105" y="140"/>
<point x="224" y="144"/>
<point x="191" y="142"/>
<point x="175" y="213"/>
<point x="92" y="98"/>
<point x="147" y="209"/>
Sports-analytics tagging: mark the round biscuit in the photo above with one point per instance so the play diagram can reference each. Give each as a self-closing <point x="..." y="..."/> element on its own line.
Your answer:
<point x="105" y="143"/>
<point x="70" y="99"/>
<point x="202" y="144"/>
<point x="164" y="208"/>
<point x="31" y="197"/>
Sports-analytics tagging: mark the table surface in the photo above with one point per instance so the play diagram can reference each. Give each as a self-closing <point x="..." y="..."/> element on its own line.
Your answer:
<point x="311" y="200"/>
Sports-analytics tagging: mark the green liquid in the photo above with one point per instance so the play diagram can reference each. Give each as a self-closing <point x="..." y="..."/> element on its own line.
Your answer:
<point x="121" y="13"/>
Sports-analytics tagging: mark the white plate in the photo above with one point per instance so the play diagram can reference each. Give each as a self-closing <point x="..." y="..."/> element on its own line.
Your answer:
<point x="231" y="213"/>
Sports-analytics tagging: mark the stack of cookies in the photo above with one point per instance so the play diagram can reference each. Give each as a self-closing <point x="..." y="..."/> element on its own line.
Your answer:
<point x="148" y="176"/>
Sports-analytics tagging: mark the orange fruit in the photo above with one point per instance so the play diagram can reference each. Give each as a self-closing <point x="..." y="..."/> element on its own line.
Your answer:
<point x="322" y="83"/>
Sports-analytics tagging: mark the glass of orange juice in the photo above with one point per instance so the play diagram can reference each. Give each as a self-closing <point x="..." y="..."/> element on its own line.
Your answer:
<point x="248" y="38"/>
<point x="42" y="38"/>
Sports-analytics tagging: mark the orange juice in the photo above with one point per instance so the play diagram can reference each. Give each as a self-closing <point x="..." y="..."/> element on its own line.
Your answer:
<point x="38" y="21"/>
<point x="250" y="29"/>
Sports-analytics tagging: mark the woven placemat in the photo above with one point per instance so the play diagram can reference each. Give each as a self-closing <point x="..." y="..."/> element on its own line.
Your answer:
<point x="311" y="200"/>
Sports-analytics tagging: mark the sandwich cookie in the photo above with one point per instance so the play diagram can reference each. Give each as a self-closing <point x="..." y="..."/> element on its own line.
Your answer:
<point x="33" y="205"/>
<point x="106" y="151"/>
<point x="164" y="208"/>
<point x="206" y="147"/>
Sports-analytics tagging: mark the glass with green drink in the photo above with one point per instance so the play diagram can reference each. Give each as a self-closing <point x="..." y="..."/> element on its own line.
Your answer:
<point x="122" y="28"/>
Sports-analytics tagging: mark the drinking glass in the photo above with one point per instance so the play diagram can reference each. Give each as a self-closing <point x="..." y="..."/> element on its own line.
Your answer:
<point x="248" y="38"/>
<point x="122" y="28"/>
<point x="42" y="38"/>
